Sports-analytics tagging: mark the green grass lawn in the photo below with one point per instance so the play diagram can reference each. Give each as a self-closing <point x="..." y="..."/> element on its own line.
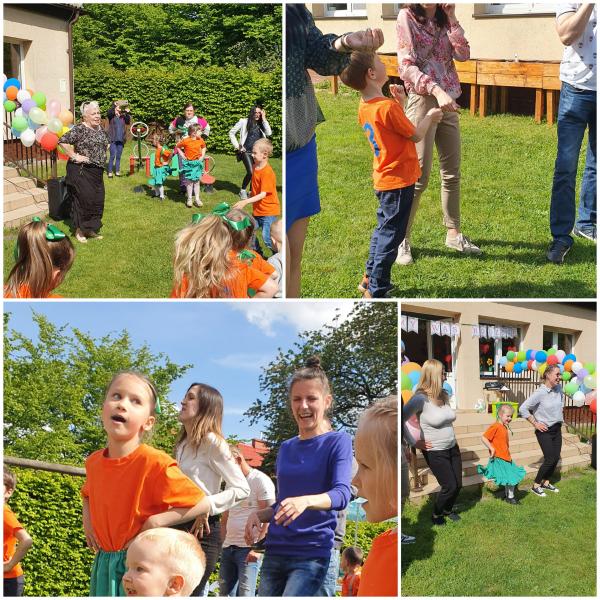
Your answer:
<point x="543" y="547"/>
<point x="134" y="260"/>
<point x="507" y="169"/>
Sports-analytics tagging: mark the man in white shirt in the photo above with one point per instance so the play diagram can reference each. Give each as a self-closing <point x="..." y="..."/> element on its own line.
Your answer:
<point x="576" y="27"/>
<point x="239" y="563"/>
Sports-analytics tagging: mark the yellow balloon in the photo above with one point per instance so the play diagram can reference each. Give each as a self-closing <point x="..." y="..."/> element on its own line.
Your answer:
<point x="410" y="367"/>
<point x="542" y="368"/>
<point x="64" y="130"/>
<point x="406" y="395"/>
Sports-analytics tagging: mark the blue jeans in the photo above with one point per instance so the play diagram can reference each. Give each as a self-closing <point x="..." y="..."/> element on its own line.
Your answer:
<point x="333" y="572"/>
<point x="236" y="576"/>
<point x="576" y="111"/>
<point x="392" y="219"/>
<point x="291" y="576"/>
<point x="264" y="223"/>
<point x="116" y="149"/>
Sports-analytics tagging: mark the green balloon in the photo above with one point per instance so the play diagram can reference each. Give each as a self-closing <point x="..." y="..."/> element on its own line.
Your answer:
<point x="551" y="351"/>
<point x="521" y="356"/>
<point x="19" y="123"/>
<point x="510" y="356"/>
<point x="571" y="388"/>
<point x="590" y="367"/>
<point x="406" y="382"/>
<point x="9" y="105"/>
<point x="566" y="375"/>
<point x="39" y="98"/>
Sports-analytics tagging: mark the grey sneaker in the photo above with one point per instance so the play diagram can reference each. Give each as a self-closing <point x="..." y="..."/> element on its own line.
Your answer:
<point x="404" y="255"/>
<point x="189" y="203"/>
<point x="198" y="202"/>
<point x="462" y="243"/>
<point x="243" y="194"/>
<point x="588" y="233"/>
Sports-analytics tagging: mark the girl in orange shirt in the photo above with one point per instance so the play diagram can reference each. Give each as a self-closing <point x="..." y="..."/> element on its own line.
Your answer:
<point x="351" y="561"/>
<point x="129" y="486"/>
<point x="500" y="467"/>
<point x="194" y="150"/>
<point x="44" y="255"/>
<point x="376" y="452"/>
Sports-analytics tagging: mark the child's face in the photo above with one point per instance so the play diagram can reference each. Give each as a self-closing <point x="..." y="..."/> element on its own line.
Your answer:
<point x="259" y="155"/>
<point x="380" y="75"/>
<point x="8" y="492"/>
<point x="506" y="416"/>
<point x="127" y="409"/>
<point x="189" y="405"/>
<point x="309" y="405"/>
<point x="148" y="573"/>
<point x="378" y="507"/>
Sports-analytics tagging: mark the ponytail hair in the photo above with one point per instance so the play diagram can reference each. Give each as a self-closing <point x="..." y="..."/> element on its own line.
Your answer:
<point x="37" y="261"/>
<point x="241" y="239"/>
<point x="201" y="257"/>
<point x="312" y="370"/>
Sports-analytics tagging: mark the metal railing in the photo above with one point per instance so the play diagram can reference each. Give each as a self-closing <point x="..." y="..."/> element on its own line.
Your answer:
<point x="34" y="161"/>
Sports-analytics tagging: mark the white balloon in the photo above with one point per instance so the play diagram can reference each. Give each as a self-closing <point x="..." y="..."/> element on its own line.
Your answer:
<point x="27" y="138"/>
<point x="4" y="78"/>
<point x="23" y="95"/>
<point x="578" y="397"/>
<point x="576" y="367"/>
<point x="18" y="112"/>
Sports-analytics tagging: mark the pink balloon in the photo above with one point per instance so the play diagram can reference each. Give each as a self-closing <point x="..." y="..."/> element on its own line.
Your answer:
<point x="590" y="396"/>
<point x="40" y="132"/>
<point x="53" y="108"/>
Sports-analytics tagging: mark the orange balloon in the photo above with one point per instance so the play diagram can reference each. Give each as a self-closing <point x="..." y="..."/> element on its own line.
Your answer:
<point x="66" y="116"/>
<point x="11" y="92"/>
<point x="509" y="366"/>
<point x="410" y="367"/>
<point x="406" y="395"/>
<point x="568" y="365"/>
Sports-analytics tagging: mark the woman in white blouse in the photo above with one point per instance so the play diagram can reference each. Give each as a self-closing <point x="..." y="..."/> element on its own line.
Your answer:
<point x="204" y="456"/>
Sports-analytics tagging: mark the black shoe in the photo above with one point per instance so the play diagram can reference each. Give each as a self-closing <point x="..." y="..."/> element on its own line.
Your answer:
<point x="511" y="500"/>
<point x="438" y="520"/>
<point x="550" y="488"/>
<point x="589" y="233"/>
<point x="557" y="252"/>
<point x="452" y="516"/>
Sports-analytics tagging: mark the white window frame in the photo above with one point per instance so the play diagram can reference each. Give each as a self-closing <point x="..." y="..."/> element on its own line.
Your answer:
<point x="519" y="8"/>
<point x="555" y="335"/>
<point x="349" y="11"/>
<point x="498" y="346"/>
<point x="21" y="74"/>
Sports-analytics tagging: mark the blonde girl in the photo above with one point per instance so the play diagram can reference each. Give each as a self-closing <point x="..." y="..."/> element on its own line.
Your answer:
<point x="130" y="486"/>
<point x="204" y="456"/>
<point x="376" y="452"/>
<point x="44" y="255"/>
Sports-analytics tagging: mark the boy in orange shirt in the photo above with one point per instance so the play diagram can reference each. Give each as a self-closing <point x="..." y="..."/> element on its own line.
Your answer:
<point x="264" y="199"/>
<point x="16" y="542"/>
<point x="395" y="163"/>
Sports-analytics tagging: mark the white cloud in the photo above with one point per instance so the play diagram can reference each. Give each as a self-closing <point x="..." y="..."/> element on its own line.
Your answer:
<point x="303" y="315"/>
<point x="243" y="361"/>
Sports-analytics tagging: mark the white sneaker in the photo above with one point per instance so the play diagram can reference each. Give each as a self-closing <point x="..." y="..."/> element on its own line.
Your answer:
<point x="404" y="255"/>
<point x="189" y="203"/>
<point x="243" y="194"/>
<point x="198" y="202"/>
<point x="462" y="243"/>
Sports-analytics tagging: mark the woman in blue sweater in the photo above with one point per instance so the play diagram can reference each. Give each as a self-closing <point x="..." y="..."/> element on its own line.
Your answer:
<point x="313" y="479"/>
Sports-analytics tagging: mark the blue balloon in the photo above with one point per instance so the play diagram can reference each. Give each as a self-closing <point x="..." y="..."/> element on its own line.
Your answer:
<point x="540" y="357"/>
<point x="530" y="355"/>
<point x="12" y="81"/>
<point x="33" y="125"/>
<point x="561" y="368"/>
<point x="524" y="365"/>
<point x="518" y="368"/>
<point x="16" y="133"/>
<point x="414" y="377"/>
<point x="402" y="346"/>
<point x="569" y="357"/>
<point x="448" y="388"/>
<point x="503" y="361"/>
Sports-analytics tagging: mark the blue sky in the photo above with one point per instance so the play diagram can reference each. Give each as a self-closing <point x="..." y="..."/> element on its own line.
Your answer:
<point x="226" y="342"/>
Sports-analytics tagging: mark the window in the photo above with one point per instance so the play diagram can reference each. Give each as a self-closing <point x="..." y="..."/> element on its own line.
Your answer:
<point x="562" y="341"/>
<point x="346" y="10"/>
<point x="518" y="8"/>
<point x="423" y="345"/>
<point x="12" y="60"/>
<point x="492" y="347"/>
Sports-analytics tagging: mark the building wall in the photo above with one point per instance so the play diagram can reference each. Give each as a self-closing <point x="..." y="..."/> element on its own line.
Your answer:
<point x="531" y="317"/>
<point x="496" y="37"/>
<point x="46" y="58"/>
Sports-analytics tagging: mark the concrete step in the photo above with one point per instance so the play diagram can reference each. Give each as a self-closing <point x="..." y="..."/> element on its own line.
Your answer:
<point x="18" y="184"/>
<point x="474" y="438"/>
<point x="17" y="217"/>
<point x="9" y="172"/>
<point x="481" y="427"/>
<point x="19" y="199"/>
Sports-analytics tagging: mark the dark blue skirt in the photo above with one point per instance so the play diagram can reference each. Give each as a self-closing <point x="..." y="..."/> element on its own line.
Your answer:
<point x="301" y="184"/>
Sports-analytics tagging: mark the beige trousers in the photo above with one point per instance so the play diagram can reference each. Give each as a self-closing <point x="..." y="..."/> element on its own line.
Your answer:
<point x="446" y="137"/>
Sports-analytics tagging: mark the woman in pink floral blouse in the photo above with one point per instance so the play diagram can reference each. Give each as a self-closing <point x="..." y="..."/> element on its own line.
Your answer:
<point x="429" y="37"/>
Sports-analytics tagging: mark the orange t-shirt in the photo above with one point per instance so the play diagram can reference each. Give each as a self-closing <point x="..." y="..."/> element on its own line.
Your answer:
<point x="260" y="264"/>
<point x="124" y="492"/>
<point x="242" y="278"/>
<point x="25" y="292"/>
<point x="264" y="180"/>
<point x="497" y="435"/>
<point x="192" y="148"/>
<point x="395" y="160"/>
<point x="162" y="157"/>
<point x="380" y="572"/>
<point x="11" y="526"/>
<point x="351" y="583"/>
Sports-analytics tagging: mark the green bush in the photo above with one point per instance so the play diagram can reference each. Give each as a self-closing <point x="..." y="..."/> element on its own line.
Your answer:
<point x="48" y="505"/>
<point x="222" y="95"/>
<point x="365" y="535"/>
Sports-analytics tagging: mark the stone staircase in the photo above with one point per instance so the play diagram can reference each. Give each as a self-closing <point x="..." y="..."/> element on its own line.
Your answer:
<point x="22" y="199"/>
<point x="524" y="449"/>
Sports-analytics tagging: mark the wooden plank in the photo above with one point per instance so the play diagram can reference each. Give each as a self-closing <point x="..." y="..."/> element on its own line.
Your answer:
<point x="551" y="96"/>
<point x="483" y="96"/>
<point x="494" y="100"/>
<point x="335" y="85"/>
<point x="503" y="99"/>
<point x="509" y="80"/>
<point x="529" y="69"/>
<point x="539" y="105"/>
<point x="473" y="100"/>
<point x="44" y="466"/>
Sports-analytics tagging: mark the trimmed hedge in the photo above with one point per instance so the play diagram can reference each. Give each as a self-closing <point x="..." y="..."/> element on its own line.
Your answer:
<point x="222" y="95"/>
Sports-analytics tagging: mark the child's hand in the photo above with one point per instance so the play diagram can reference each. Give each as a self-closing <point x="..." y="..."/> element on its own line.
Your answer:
<point x="200" y="528"/>
<point x="7" y="566"/>
<point x="398" y="94"/>
<point x="241" y="204"/>
<point x="436" y="114"/>
<point x="492" y="452"/>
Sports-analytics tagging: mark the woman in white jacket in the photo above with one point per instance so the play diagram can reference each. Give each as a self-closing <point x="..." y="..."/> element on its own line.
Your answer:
<point x="250" y="131"/>
<point x="204" y="456"/>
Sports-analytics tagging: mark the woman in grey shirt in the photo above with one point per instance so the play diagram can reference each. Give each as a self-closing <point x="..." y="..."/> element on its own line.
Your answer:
<point x="544" y="410"/>
<point x="438" y="443"/>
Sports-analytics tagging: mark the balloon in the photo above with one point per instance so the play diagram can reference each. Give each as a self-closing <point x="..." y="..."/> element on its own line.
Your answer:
<point x="65" y="129"/>
<point x="53" y="108"/>
<point x="579" y="399"/>
<point x="27" y="105"/>
<point x="590" y="396"/>
<point x="502" y="362"/>
<point x="12" y="82"/>
<point x="19" y="123"/>
<point x="28" y="138"/>
<point x="406" y="383"/>
<point x="66" y="116"/>
<point x="552" y="360"/>
<point x="582" y="374"/>
<point x="39" y="98"/>
<point x="39" y="134"/>
<point x="414" y="377"/>
<point x="9" y="105"/>
<point x="509" y="366"/>
<point x="510" y="356"/>
<point x="568" y="364"/>
<point x="37" y="115"/>
<point x="560" y="354"/>
<point x="529" y="364"/>
<point x="576" y="367"/>
<point x="521" y="355"/>
<point x="19" y="112"/>
<point x="16" y="133"/>
<point x="540" y="356"/>
<point x="524" y="366"/>
<point x="448" y="388"/>
<point x="414" y="428"/>
<point x="590" y="381"/>
<point x="33" y="125"/>
<point x="542" y="368"/>
<point x="566" y="376"/>
<point x="517" y="368"/>
<point x="530" y="354"/>
<point x="49" y="141"/>
<point x="590" y="367"/>
<point x="593" y="406"/>
<point x="569" y="357"/>
<point x="409" y="367"/>
<point x="551" y="351"/>
<point x="402" y="345"/>
<point x="571" y="388"/>
<point x="11" y="92"/>
<point x="561" y="368"/>
<point x="406" y="395"/>
<point x="534" y="365"/>
<point x="55" y="125"/>
<point x="4" y="78"/>
<point x="23" y="95"/>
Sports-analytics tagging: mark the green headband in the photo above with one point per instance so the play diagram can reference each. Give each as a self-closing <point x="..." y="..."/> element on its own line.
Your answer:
<point x="221" y="210"/>
<point x="53" y="234"/>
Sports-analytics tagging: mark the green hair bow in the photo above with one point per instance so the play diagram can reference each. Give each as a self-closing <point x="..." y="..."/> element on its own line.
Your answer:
<point x="53" y="234"/>
<point x="157" y="408"/>
<point x="221" y="210"/>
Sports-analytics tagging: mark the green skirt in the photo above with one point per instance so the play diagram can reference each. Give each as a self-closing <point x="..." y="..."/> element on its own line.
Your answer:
<point x="107" y="574"/>
<point x="502" y="472"/>
<point x="161" y="174"/>
<point x="192" y="169"/>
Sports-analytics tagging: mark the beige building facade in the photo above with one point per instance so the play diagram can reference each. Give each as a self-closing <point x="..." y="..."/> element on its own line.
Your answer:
<point x="483" y="332"/>
<point x="37" y="48"/>
<point x="509" y="31"/>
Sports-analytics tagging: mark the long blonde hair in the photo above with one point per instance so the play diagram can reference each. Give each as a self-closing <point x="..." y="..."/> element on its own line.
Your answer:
<point x="431" y="381"/>
<point x="208" y="419"/>
<point x="201" y="257"/>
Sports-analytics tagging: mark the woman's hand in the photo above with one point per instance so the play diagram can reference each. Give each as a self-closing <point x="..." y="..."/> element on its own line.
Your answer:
<point x="444" y="100"/>
<point x="252" y="557"/>
<point x="540" y="426"/>
<point x="450" y="10"/>
<point x="200" y="528"/>
<point x="366" y="40"/>
<point x="398" y="94"/>
<point x="436" y="114"/>
<point x="290" y="509"/>
<point x="80" y="158"/>
<point x="423" y="445"/>
<point x="252" y="523"/>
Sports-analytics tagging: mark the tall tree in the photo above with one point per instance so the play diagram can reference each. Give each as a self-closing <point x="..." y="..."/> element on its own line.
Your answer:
<point x="54" y="388"/>
<point x="360" y="357"/>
